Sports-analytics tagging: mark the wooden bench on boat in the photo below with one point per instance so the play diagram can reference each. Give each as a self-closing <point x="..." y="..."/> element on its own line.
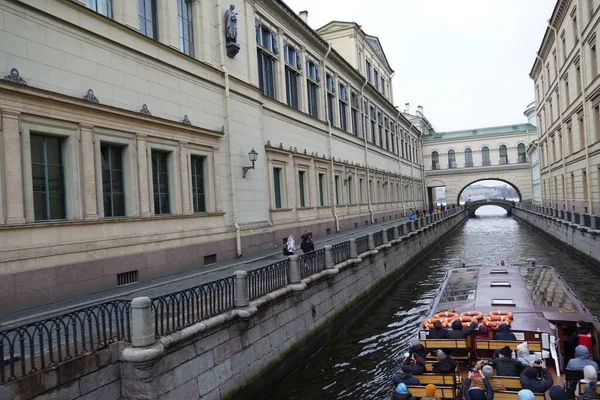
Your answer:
<point x="498" y="344"/>
<point x="443" y="392"/>
<point x="512" y="395"/>
<point x="449" y="344"/>
<point x="437" y="379"/>
<point x="429" y="368"/>
<point x="582" y="388"/>
<point x="510" y="382"/>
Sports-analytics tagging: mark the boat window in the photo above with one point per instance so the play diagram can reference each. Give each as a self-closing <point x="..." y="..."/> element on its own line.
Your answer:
<point x="498" y="271"/>
<point x="503" y="302"/>
<point x="500" y="284"/>
<point x="461" y="285"/>
<point x="544" y="289"/>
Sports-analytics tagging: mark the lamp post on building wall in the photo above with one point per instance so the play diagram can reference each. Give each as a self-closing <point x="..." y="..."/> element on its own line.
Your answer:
<point x="253" y="156"/>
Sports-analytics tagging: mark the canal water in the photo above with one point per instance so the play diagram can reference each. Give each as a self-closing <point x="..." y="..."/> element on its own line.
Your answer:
<point x="359" y="363"/>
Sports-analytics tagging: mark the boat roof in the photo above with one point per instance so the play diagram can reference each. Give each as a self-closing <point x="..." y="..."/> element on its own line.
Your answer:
<point x="533" y="294"/>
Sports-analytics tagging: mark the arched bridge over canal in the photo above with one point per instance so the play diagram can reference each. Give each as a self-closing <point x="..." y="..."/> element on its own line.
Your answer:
<point x="474" y="205"/>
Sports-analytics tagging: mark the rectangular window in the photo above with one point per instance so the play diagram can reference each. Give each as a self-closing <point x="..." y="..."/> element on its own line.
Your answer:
<point x="277" y="186"/>
<point x="383" y="86"/>
<point x="266" y="64"/>
<point x="343" y="96"/>
<point x="368" y="64"/>
<point x="160" y="181"/>
<point x="361" y="196"/>
<point x="376" y="78"/>
<point x="354" y="113"/>
<point x="593" y="60"/>
<point x="570" y="148"/>
<point x="47" y="172"/>
<point x="301" y="175"/>
<point x="147" y="20"/>
<point x="581" y="132"/>
<point x="567" y="94"/>
<point x="380" y="126"/>
<point x="113" y="194"/>
<point x="103" y="7"/>
<point x="186" y="30"/>
<point x="349" y="184"/>
<point x="198" y="188"/>
<point x="337" y="190"/>
<point x="292" y="63"/>
<point x="387" y="134"/>
<point x="330" y="98"/>
<point x="373" y="131"/>
<point x="575" y="29"/>
<point x="564" y="46"/>
<point x="596" y="134"/>
<point x="312" y="79"/>
<point x="578" y="78"/>
<point x="321" y="190"/>
<point x="572" y="186"/>
<point x="584" y="184"/>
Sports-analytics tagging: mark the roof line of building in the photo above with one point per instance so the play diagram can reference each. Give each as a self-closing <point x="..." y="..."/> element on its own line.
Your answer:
<point x="488" y="128"/>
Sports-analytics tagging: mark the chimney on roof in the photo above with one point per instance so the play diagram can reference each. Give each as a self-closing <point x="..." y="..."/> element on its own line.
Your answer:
<point x="407" y="108"/>
<point x="303" y="16"/>
<point x="420" y="111"/>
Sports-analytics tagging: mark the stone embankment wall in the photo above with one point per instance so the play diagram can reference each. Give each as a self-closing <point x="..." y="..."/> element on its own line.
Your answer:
<point x="579" y="232"/>
<point x="256" y="337"/>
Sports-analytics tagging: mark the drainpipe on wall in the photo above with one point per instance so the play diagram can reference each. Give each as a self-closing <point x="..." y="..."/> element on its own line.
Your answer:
<point x="238" y="238"/>
<point x="333" y="196"/>
<point x="400" y="162"/>
<point x="362" y="114"/>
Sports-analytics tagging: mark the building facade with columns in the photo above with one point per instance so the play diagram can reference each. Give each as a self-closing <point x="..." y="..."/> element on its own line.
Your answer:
<point x="567" y="92"/>
<point x="127" y="129"/>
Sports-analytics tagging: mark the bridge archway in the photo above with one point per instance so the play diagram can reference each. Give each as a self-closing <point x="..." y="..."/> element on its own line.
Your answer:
<point x="489" y="179"/>
<point x="507" y="205"/>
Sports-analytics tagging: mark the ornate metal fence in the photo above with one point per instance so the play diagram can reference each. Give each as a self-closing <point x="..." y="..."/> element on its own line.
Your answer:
<point x="340" y="252"/>
<point x="178" y="310"/>
<point x="311" y="263"/>
<point x="378" y="238"/>
<point x="362" y="244"/>
<point x="266" y="279"/>
<point x="43" y="344"/>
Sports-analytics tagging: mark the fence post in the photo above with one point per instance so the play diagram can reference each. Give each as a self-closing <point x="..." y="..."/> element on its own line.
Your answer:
<point x="353" y="249"/>
<point x="142" y="322"/>
<point x="241" y="297"/>
<point x="573" y="217"/>
<point x="396" y="232"/>
<point x="371" y="242"/>
<point x="385" y="236"/>
<point x="294" y="270"/>
<point x="328" y="257"/>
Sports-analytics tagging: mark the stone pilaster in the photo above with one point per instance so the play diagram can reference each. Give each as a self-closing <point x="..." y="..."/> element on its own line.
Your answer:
<point x="88" y="175"/>
<point x="185" y="179"/>
<point x="166" y="12"/>
<point x="126" y="13"/>
<point x="144" y="176"/>
<point x="13" y="172"/>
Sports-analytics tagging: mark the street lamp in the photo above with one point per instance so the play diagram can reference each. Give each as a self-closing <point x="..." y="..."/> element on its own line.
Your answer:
<point x="349" y="176"/>
<point x="253" y="155"/>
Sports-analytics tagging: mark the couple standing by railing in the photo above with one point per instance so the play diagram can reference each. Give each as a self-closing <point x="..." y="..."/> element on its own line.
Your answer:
<point x="307" y="245"/>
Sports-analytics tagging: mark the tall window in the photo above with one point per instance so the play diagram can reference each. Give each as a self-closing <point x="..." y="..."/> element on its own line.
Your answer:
<point x="160" y="181"/>
<point x="267" y="49"/>
<point x="112" y="181"/>
<point x="354" y="113"/>
<point x="468" y="157"/>
<point x="361" y="197"/>
<point x="321" y="190"/>
<point x="522" y="155"/>
<point x="147" y="18"/>
<point x="578" y="78"/>
<point x="485" y="156"/>
<point x="593" y="60"/>
<point x="301" y="178"/>
<point x="368" y="64"/>
<point x="376" y="78"/>
<point x="386" y="123"/>
<point x="292" y="67"/>
<point x="567" y="94"/>
<point x="277" y="186"/>
<point x="393" y="137"/>
<point x="581" y="131"/>
<point x="337" y="190"/>
<point x="103" y="7"/>
<point x="186" y="30"/>
<point x="349" y="184"/>
<point x="380" y="126"/>
<point x="383" y="85"/>
<point x="435" y="160"/>
<point x="198" y="193"/>
<point x="312" y="87"/>
<point x="47" y="172"/>
<point x="451" y="159"/>
<point x="330" y="97"/>
<point x="343" y="95"/>
<point x="503" y="155"/>
<point x="373" y="123"/>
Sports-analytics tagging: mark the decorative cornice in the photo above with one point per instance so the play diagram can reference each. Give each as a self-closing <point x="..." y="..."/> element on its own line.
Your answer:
<point x="89" y="96"/>
<point x="15" y="77"/>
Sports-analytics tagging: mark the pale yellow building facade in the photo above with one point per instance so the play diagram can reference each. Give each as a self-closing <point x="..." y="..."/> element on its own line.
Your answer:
<point x="567" y="90"/>
<point x="125" y="133"/>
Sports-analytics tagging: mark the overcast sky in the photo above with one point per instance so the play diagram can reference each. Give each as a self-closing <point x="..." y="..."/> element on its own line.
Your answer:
<point x="466" y="62"/>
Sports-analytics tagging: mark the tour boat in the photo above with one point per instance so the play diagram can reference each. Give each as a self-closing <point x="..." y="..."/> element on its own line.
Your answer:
<point x="533" y="300"/>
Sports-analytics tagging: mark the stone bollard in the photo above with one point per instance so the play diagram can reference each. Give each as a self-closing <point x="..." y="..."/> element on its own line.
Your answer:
<point x="561" y="214"/>
<point x="413" y="226"/>
<point x="328" y="257"/>
<point x="573" y="217"/>
<point x="593" y="224"/>
<point x="371" y="242"/>
<point x="396" y="232"/>
<point x="294" y="270"/>
<point x="385" y="236"/>
<point x="142" y="322"/>
<point x="353" y="249"/>
<point x="241" y="296"/>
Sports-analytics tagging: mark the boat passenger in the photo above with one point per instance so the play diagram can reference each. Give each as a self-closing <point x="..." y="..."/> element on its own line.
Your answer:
<point x="405" y="376"/>
<point x="476" y="393"/>
<point x="488" y="372"/>
<point x="482" y="333"/>
<point x="430" y="393"/>
<point x="504" y="364"/>
<point x="526" y="394"/>
<point x="524" y="356"/>
<point x="558" y="393"/>
<point x="438" y="331"/>
<point x="589" y="374"/>
<point x="417" y="349"/>
<point x="537" y="379"/>
<point x="582" y="358"/>
<point x="583" y="336"/>
<point x="401" y="393"/>
<point x="458" y="332"/>
<point x="444" y="364"/>
<point x="504" y="333"/>
<point x="415" y="364"/>
<point x="590" y="391"/>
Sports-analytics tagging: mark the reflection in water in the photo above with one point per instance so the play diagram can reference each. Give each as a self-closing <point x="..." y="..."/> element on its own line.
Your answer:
<point x="359" y="363"/>
<point x="544" y="290"/>
<point x="461" y="285"/>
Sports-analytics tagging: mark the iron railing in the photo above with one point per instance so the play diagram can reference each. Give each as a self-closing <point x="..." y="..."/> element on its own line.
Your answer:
<point x="266" y="279"/>
<point x="311" y="263"/>
<point x="362" y="244"/>
<point x="340" y="252"/>
<point x="378" y="238"/>
<point x="391" y="233"/>
<point x="178" y="310"/>
<point x="43" y="344"/>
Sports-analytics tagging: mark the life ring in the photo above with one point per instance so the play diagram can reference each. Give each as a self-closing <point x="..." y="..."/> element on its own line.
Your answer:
<point x="506" y="314"/>
<point x="494" y="323"/>
<point x="445" y="314"/>
<point x="473" y="314"/>
<point x="428" y="323"/>
<point x="498" y="318"/>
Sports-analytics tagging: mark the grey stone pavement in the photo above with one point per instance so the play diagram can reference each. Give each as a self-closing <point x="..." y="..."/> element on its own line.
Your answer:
<point x="173" y="283"/>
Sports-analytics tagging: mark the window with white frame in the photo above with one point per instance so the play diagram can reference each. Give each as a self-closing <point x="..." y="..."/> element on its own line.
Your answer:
<point x="160" y="182"/>
<point x="387" y="133"/>
<point x="267" y="51"/>
<point x="349" y="186"/>
<point x="393" y="137"/>
<point x="322" y="182"/>
<point x="338" y="199"/>
<point x="330" y="98"/>
<point x="312" y="87"/>
<point x="361" y="190"/>
<point x="103" y="7"/>
<point x="186" y="28"/>
<point x="368" y="65"/>
<point x="278" y="186"/>
<point x="343" y="96"/>
<point x="373" y="124"/>
<point x="375" y="78"/>
<point x="354" y="113"/>
<point x="147" y="20"/>
<point x="380" y="126"/>
<point x="302" y="186"/>
<point x="198" y="176"/>
<point x="113" y="180"/>
<point x="47" y="173"/>
<point x="292" y="73"/>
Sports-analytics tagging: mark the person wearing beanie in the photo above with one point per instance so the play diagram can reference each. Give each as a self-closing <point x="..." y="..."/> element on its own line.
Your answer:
<point x="417" y="349"/>
<point x="558" y="393"/>
<point x="444" y="364"/>
<point x="404" y="376"/>
<point x="477" y="393"/>
<point x="582" y="358"/>
<point x="504" y="333"/>
<point x="529" y="379"/>
<point x="526" y="394"/>
<point x="401" y="393"/>
<point x="482" y="333"/>
<point x="430" y="393"/>
<point x="487" y="372"/>
<point x="416" y="365"/>
<point x="504" y="364"/>
<point x="457" y="333"/>
<point x="589" y="374"/>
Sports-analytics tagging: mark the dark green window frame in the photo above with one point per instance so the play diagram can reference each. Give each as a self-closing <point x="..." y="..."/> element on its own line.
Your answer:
<point x="277" y="186"/>
<point x="337" y="190"/>
<point x="321" y="190"/>
<point x="301" y="175"/>
<point x="113" y="185"/>
<point x="198" y="187"/>
<point x="48" y="178"/>
<point x="160" y="182"/>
